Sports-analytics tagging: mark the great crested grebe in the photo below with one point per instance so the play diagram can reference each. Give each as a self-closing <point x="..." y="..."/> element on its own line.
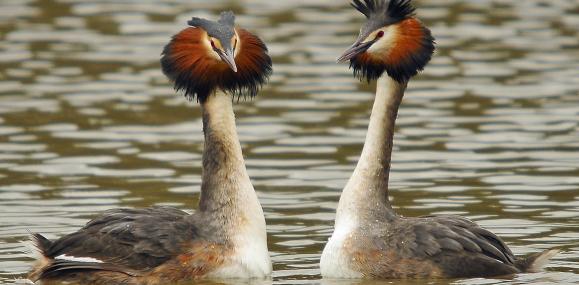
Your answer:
<point x="370" y="240"/>
<point x="226" y="237"/>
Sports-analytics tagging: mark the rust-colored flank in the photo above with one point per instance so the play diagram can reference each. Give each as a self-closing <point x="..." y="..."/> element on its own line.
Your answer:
<point x="389" y="263"/>
<point x="201" y="258"/>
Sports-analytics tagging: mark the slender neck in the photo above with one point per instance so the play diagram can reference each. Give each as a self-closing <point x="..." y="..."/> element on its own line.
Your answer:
<point x="225" y="184"/>
<point x="366" y="193"/>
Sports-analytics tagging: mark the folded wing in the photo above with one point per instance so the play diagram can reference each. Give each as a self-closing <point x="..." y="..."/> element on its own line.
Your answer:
<point x="130" y="241"/>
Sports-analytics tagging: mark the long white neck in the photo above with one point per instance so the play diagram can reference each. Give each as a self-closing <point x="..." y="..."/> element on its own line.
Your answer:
<point x="366" y="194"/>
<point x="226" y="190"/>
<point x="228" y="199"/>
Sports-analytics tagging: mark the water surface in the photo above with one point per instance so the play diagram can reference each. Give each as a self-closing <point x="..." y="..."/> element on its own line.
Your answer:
<point x="490" y="130"/>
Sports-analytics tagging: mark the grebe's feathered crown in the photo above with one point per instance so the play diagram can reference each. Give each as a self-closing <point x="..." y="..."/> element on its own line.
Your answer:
<point x="223" y="29"/>
<point x="216" y="55"/>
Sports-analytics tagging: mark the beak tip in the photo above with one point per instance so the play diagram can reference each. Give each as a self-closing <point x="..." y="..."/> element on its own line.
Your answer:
<point x="342" y="59"/>
<point x="356" y="49"/>
<point x="228" y="57"/>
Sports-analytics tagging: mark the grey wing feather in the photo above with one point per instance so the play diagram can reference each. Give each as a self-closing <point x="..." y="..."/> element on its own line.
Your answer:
<point x="433" y="234"/>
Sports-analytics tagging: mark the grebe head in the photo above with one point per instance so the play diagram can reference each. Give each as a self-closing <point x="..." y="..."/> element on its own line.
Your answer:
<point x="216" y="55"/>
<point x="392" y="40"/>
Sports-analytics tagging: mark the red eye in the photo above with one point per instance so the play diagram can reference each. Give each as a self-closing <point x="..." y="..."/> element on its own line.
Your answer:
<point x="213" y="44"/>
<point x="380" y="34"/>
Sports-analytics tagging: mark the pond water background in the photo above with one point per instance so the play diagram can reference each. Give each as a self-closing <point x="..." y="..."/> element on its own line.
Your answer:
<point x="490" y="130"/>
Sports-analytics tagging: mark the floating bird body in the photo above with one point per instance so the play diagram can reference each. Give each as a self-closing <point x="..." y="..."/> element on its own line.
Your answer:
<point x="370" y="240"/>
<point x="212" y="62"/>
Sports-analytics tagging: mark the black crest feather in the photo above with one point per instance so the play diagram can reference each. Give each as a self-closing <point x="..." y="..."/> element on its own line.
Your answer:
<point x="395" y="10"/>
<point x="400" y="9"/>
<point x="227" y="18"/>
<point x="367" y="7"/>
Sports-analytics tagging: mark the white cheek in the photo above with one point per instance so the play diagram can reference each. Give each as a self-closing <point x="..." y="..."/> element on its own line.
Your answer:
<point x="210" y="50"/>
<point x="386" y="43"/>
<point x="238" y="47"/>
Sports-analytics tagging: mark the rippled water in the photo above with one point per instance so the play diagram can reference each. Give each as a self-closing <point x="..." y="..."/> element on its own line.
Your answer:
<point x="489" y="131"/>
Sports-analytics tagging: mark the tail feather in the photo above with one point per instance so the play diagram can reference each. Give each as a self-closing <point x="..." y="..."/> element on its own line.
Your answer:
<point x="41" y="243"/>
<point x="42" y="246"/>
<point x="536" y="261"/>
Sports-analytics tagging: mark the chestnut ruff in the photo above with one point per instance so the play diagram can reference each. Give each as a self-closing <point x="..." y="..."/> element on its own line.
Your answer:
<point x="186" y="62"/>
<point x="411" y="50"/>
